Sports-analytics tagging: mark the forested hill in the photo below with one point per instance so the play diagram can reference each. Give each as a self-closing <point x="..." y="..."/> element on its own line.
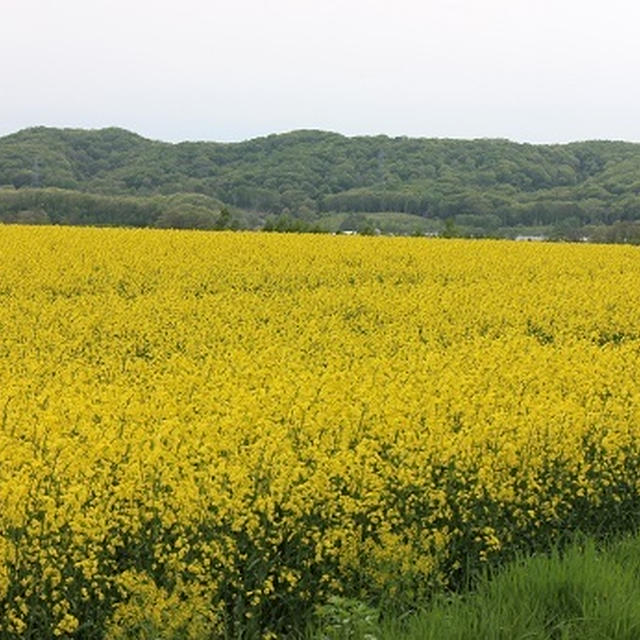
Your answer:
<point x="112" y="176"/>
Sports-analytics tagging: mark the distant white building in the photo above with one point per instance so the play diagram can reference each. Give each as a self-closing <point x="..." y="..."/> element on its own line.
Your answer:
<point x="530" y="238"/>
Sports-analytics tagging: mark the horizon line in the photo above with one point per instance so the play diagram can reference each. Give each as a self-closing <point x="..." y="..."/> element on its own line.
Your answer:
<point x="314" y="130"/>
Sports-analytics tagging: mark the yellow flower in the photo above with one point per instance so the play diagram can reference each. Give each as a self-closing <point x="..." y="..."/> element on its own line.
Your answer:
<point x="193" y="424"/>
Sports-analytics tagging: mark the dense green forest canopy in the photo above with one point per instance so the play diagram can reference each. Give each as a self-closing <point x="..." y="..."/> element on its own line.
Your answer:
<point x="314" y="179"/>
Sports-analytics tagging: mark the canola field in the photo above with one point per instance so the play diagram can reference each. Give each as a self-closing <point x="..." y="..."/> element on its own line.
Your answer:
<point x="211" y="433"/>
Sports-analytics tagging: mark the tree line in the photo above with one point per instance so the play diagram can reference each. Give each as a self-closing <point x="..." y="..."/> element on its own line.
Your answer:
<point x="295" y="180"/>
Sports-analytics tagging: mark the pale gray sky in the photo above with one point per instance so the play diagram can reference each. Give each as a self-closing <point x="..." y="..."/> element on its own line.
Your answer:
<point x="528" y="70"/>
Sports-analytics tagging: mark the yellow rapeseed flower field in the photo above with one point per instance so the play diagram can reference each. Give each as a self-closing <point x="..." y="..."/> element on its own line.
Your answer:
<point x="207" y="433"/>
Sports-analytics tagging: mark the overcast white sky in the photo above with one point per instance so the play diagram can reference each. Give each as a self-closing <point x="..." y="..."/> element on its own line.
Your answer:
<point x="528" y="70"/>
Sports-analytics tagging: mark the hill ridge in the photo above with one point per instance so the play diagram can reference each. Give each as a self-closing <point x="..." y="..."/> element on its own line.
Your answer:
<point x="486" y="184"/>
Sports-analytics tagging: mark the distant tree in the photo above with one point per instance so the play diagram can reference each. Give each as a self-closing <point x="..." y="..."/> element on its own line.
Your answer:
<point x="22" y="179"/>
<point x="32" y="216"/>
<point x="366" y="228"/>
<point x="224" y="219"/>
<point x="450" y="230"/>
<point x="353" y="222"/>
<point x="568" y="229"/>
<point x="187" y="218"/>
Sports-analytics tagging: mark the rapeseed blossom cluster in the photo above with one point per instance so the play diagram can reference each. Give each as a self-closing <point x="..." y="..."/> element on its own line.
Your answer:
<point x="209" y="433"/>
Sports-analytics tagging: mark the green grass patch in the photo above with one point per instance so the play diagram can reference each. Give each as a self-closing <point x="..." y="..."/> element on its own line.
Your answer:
<point x="581" y="593"/>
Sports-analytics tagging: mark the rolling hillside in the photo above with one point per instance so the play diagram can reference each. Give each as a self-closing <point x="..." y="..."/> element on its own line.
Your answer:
<point x="305" y="178"/>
